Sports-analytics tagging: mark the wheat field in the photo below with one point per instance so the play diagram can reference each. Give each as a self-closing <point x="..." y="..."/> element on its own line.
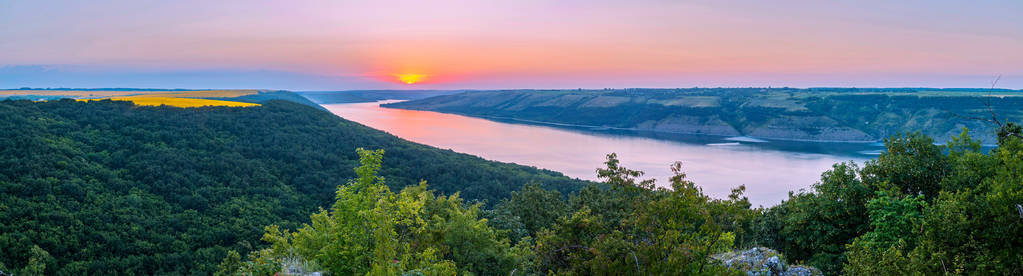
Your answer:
<point x="177" y="102"/>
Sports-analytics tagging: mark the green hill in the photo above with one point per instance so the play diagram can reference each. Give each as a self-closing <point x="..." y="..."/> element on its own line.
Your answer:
<point x="107" y="187"/>
<point x="817" y="114"/>
<point x="363" y="96"/>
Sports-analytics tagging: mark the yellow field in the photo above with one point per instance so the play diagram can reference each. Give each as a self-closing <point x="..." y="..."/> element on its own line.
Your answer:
<point x="201" y="94"/>
<point x="178" y="102"/>
<point x="151" y="98"/>
<point x="105" y="94"/>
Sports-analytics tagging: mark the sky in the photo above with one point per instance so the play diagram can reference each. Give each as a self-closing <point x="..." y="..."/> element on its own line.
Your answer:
<point x="498" y="44"/>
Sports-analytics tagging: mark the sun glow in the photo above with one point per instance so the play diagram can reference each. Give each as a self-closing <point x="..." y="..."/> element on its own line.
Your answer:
<point x="410" y="78"/>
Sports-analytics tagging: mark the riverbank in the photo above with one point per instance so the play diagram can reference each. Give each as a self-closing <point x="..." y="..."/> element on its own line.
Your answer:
<point x="846" y="115"/>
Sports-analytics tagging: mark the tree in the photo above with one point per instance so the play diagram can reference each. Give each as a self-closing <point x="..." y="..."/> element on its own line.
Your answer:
<point x="912" y="164"/>
<point x="653" y="231"/>
<point x="231" y="264"/>
<point x="371" y="231"/>
<point x="536" y="207"/>
<point x="815" y="226"/>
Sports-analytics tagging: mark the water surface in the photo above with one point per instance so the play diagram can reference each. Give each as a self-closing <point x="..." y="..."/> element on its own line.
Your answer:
<point x="769" y="169"/>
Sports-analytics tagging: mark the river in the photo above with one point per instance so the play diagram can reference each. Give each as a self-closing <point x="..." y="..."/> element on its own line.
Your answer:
<point x="769" y="169"/>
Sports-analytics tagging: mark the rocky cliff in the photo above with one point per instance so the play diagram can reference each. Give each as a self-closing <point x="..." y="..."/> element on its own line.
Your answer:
<point x="759" y="261"/>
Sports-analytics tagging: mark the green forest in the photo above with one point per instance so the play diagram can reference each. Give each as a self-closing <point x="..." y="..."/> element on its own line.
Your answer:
<point x="110" y="188"/>
<point x="106" y="187"/>
<point x="918" y="209"/>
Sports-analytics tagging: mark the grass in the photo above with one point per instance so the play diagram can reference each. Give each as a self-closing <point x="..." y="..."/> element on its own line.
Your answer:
<point x="177" y="102"/>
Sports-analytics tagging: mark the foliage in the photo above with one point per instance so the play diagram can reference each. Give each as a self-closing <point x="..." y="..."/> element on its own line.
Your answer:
<point x="654" y="230"/>
<point x="892" y="219"/>
<point x="532" y="207"/>
<point x="929" y="211"/>
<point x="912" y="164"/>
<point x="38" y="260"/>
<point x="371" y="231"/>
<point x="871" y="260"/>
<point x="895" y="224"/>
<point x="107" y="187"/>
<point x="815" y="226"/>
<point x="230" y="265"/>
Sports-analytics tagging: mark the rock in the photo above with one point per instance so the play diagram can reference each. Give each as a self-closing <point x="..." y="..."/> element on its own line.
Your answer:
<point x="298" y="267"/>
<point x="775" y="264"/>
<point x="799" y="270"/>
<point x="759" y="261"/>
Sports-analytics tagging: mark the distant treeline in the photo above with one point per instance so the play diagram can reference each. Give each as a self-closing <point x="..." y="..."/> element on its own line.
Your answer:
<point x="363" y="96"/>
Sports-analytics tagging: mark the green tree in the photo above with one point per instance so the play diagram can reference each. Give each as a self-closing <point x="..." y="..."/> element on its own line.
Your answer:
<point x="893" y="218"/>
<point x="360" y="233"/>
<point x="371" y="231"/>
<point x="38" y="260"/>
<point x="231" y="264"/>
<point x="912" y="164"/>
<point x="656" y="231"/>
<point x="107" y="187"/>
<point x="536" y="207"/>
<point x="814" y="227"/>
<point x="978" y="229"/>
<point x="895" y="222"/>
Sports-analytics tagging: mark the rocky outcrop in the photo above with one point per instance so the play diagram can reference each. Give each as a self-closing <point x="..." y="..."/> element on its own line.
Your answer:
<point x="690" y="125"/>
<point x="763" y="261"/>
<point x="809" y="128"/>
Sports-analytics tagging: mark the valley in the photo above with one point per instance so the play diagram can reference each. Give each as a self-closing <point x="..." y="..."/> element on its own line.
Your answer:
<point x="816" y="114"/>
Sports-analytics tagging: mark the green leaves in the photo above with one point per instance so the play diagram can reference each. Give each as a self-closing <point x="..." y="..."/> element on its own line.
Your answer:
<point x="916" y="211"/>
<point x="633" y="228"/>
<point x="912" y="164"/>
<point x="371" y="231"/>
<point x="894" y="219"/>
<point x="535" y="207"/>
<point x="815" y="226"/>
<point x="112" y="188"/>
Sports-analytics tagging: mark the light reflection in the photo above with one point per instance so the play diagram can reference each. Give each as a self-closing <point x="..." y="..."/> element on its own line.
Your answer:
<point x="768" y="174"/>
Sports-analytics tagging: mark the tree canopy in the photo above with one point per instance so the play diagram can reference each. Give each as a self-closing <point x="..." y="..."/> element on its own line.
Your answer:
<point x="107" y="187"/>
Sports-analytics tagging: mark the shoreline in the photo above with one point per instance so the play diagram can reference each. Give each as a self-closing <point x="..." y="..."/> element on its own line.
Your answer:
<point x="600" y="128"/>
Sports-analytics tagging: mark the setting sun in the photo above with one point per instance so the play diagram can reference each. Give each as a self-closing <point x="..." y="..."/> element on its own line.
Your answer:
<point x="410" y="78"/>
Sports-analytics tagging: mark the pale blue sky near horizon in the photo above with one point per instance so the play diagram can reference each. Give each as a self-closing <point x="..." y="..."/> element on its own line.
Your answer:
<point x="341" y="45"/>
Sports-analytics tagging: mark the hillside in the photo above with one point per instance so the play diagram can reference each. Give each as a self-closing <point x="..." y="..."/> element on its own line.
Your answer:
<point x="156" y="97"/>
<point x="108" y="187"/>
<point x="918" y="209"/>
<point x="364" y="96"/>
<point x="819" y="114"/>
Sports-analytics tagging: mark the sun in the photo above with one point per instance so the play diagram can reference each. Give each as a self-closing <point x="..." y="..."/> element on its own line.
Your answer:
<point x="410" y="78"/>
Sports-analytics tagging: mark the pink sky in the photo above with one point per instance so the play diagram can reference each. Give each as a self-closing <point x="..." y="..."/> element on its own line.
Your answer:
<point x="524" y="44"/>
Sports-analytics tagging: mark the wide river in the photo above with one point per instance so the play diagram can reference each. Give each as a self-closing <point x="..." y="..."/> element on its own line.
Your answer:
<point x="769" y="169"/>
